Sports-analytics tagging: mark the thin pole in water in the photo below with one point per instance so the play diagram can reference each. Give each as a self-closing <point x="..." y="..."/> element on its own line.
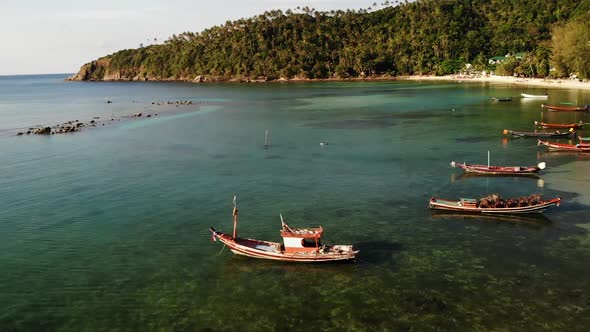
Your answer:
<point x="488" y="158"/>
<point x="235" y="214"/>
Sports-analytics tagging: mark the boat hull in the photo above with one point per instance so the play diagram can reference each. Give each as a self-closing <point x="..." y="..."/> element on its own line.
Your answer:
<point x="553" y="108"/>
<point x="519" y="134"/>
<point x="447" y="205"/>
<point x="497" y="170"/>
<point x="552" y="146"/>
<point x="272" y="251"/>
<point x="559" y="125"/>
<point x="519" y="218"/>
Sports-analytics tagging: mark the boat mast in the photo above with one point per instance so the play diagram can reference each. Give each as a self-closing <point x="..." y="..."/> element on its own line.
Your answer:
<point x="235" y="213"/>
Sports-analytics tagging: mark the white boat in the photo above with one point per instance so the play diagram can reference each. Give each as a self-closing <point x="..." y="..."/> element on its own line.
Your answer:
<point x="525" y="95"/>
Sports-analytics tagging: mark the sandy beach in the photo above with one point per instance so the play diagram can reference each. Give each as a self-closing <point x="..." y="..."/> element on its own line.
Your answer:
<point x="493" y="79"/>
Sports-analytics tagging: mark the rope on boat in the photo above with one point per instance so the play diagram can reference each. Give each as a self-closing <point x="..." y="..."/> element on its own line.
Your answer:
<point x="219" y="253"/>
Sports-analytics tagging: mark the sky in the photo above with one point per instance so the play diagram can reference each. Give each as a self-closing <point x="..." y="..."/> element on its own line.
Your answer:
<point x="59" y="36"/>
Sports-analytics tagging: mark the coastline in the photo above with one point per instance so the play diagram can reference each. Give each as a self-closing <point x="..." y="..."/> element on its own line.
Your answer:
<point x="491" y="79"/>
<point x="505" y="80"/>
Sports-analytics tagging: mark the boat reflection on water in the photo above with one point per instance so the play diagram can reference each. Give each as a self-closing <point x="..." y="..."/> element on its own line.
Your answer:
<point x="562" y="156"/>
<point x="505" y="142"/>
<point x="242" y="264"/>
<point x="532" y="219"/>
<point x="463" y="176"/>
<point x="466" y="176"/>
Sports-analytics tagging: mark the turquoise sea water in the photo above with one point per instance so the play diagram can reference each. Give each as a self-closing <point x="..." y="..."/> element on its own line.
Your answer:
<point x="107" y="229"/>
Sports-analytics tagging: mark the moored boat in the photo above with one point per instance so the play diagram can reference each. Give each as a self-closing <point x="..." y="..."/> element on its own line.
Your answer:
<point x="299" y="245"/>
<point x="502" y="98"/>
<point x="500" y="170"/>
<point x="545" y="134"/>
<point x="553" y="146"/>
<point x="526" y="95"/>
<point x="555" y="108"/>
<point x="548" y="125"/>
<point x="495" y="204"/>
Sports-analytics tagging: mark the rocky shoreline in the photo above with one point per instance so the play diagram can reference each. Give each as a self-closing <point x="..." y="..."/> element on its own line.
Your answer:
<point x="99" y="71"/>
<point x="492" y="79"/>
<point x="214" y="79"/>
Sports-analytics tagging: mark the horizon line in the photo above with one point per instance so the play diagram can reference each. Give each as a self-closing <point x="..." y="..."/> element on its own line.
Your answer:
<point x="7" y="75"/>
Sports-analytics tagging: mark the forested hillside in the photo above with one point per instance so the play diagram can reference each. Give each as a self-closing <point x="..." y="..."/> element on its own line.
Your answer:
<point x="422" y="37"/>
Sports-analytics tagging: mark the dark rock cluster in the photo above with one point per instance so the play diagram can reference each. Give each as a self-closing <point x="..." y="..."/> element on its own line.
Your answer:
<point x="76" y="125"/>
<point x="63" y="128"/>
<point x="176" y="102"/>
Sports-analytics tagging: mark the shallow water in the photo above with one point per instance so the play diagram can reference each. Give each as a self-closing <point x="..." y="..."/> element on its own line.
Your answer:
<point x="108" y="228"/>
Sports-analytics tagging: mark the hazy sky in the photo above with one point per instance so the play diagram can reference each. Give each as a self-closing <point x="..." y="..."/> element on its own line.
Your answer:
<point x="58" y="36"/>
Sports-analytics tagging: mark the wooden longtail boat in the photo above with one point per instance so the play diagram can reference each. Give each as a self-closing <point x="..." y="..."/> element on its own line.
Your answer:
<point x="559" y="125"/>
<point x="499" y="170"/>
<point x="525" y="95"/>
<point x="470" y="205"/>
<point x="299" y="245"/>
<point x="554" y="108"/>
<point x="580" y="147"/>
<point x="545" y="134"/>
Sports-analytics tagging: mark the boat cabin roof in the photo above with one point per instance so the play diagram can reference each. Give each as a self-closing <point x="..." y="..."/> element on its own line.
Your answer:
<point x="304" y="233"/>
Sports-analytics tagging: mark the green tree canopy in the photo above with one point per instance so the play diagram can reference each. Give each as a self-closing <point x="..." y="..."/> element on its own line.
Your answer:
<point x="425" y="36"/>
<point x="571" y="49"/>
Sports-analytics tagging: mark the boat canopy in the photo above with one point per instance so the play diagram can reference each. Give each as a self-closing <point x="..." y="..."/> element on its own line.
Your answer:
<point x="303" y="233"/>
<point x="301" y="239"/>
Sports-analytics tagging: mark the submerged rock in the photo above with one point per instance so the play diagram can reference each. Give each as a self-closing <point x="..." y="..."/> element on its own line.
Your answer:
<point x="43" y="131"/>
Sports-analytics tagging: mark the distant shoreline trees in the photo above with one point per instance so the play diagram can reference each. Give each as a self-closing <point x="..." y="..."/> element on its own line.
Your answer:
<point x="421" y="37"/>
<point x="571" y="48"/>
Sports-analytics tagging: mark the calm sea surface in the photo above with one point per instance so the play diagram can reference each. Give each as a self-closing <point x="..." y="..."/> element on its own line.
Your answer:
<point x="107" y="229"/>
